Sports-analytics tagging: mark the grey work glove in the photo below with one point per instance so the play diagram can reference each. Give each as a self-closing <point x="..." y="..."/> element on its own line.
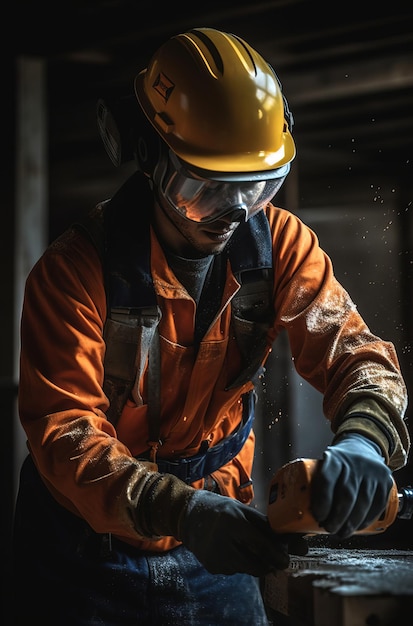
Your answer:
<point x="225" y="535"/>
<point x="351" y="486"/>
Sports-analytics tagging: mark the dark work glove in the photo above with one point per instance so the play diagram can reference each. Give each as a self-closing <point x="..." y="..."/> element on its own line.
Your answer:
<point x="228" y="537"/>
<point x="351" y="486"/>
<point x="225" y="535"/>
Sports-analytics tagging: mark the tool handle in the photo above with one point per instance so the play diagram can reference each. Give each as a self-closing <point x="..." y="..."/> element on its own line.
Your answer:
<point x="289" y="502"/>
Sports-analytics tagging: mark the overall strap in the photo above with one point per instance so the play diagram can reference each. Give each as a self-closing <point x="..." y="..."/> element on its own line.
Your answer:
<point x="119" y="229"/>
<point x="250" y="254"/>
<point x="131" y="330"/>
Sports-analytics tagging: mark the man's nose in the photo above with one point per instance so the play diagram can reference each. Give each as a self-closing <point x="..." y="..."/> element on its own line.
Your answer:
<point x="237" y="213"/>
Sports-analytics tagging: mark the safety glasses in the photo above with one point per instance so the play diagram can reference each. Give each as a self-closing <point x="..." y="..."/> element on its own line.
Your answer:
<point x="205" y="200"/>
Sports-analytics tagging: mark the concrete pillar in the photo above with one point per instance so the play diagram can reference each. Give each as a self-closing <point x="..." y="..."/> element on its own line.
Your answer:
<point x="31" y="199"/>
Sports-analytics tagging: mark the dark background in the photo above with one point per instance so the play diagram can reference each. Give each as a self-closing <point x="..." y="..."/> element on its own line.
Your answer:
<point x="348" y="77"/>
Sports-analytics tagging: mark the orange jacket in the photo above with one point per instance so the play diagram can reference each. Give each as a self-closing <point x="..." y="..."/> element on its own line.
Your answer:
<point x="90" y="468"/>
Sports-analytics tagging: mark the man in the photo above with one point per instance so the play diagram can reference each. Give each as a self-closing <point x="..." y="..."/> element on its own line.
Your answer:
<point x="133" y="502"/>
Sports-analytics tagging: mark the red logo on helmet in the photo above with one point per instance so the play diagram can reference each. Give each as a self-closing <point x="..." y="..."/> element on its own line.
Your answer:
<point x="163" y="86"/>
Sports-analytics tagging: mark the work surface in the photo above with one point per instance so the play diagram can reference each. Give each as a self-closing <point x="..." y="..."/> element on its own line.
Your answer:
<point x="339" y="587"/>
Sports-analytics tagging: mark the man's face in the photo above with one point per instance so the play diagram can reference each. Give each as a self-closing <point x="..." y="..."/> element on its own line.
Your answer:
<point x="202" y="213"/>
<point x="194" y="239"/>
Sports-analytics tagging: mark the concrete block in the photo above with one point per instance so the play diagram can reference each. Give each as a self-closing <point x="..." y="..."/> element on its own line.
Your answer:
<point x="336" y="587"/>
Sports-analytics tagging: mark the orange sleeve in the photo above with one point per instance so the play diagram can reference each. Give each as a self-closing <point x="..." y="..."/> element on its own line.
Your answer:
<point x="332" y="348"/>
<point x="61" y="402"/>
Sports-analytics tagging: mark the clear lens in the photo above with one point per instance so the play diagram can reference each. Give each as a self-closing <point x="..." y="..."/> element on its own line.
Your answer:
<point x="204" y="200"/>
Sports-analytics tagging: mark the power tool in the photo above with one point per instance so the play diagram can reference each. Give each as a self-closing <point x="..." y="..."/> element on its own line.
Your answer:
<point x="289" y="502"/>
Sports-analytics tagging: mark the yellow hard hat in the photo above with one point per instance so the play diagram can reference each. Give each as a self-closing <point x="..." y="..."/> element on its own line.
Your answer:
<point x="217" y="103"/>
